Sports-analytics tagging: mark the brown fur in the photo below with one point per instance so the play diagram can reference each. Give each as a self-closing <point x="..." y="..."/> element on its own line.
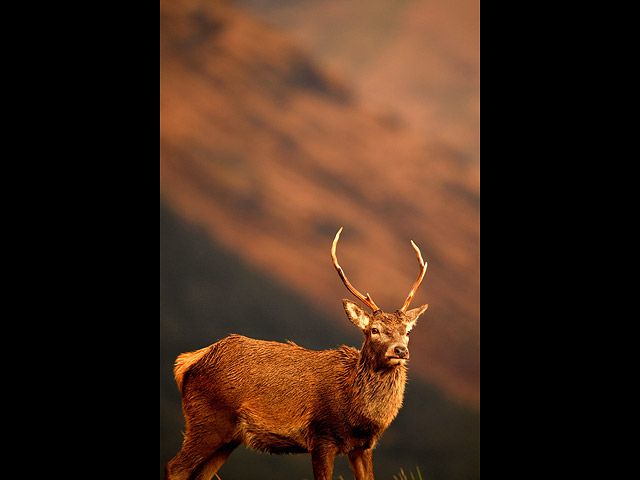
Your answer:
<point x="184" y="361"/>
<point x="282" y="398"/>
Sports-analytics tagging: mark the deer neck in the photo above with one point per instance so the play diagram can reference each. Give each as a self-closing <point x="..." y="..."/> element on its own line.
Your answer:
<point x="378" y="392"/>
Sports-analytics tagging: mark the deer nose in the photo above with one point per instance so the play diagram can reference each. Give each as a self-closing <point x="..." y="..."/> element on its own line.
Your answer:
<point x="401" y="351"/>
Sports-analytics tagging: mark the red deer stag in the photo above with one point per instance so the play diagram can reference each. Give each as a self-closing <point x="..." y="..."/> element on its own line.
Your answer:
<point x="282" y="398"/>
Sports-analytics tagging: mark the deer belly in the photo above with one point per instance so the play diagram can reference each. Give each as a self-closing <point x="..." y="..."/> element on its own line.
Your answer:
<point x="270" y="431"/>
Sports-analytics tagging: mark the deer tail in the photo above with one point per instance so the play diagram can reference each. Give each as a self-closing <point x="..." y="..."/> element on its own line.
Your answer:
<point x="184" y="363"/>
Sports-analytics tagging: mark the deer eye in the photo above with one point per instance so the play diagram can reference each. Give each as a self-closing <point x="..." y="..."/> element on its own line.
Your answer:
<point x="375" y="330"/>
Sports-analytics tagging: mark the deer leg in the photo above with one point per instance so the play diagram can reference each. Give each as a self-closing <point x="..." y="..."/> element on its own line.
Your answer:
<point x="186" y="461"/>
<point x="361" y="462"/>
<point x="322" y="458"/>
<point x="213" y="464"/>
<point x="200" y="453"/>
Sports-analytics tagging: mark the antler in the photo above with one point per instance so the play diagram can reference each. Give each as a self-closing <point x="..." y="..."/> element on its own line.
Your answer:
<point x="367" y="300"/>
<point x="423" y="270"/>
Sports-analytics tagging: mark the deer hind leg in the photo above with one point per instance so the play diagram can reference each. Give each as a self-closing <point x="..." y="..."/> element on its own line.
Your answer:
<point x="215" y="461"/>
<point x="203" y="452"/>
<point x="198" y="460"/>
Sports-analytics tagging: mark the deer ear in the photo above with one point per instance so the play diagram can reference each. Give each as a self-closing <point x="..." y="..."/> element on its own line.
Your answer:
<point x="413" y="314"/>
<point x="356" y="314"/>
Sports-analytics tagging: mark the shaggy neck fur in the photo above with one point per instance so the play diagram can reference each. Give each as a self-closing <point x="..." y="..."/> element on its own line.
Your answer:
<point x="380" y="390"/>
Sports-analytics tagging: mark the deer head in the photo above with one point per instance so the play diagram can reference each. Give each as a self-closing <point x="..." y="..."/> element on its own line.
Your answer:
<point x="386" y="336"/>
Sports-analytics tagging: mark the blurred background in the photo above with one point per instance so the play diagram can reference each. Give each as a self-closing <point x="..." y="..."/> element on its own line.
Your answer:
<point x="280" y="122"/>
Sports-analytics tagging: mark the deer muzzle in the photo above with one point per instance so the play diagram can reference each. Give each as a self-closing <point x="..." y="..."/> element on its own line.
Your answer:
<point x="398" y="354"/>
<point x="401" y="351"/>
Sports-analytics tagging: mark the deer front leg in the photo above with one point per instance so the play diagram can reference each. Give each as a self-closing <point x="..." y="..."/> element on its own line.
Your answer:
<point x="322" y="458"/>
<point x="361" y="462"/>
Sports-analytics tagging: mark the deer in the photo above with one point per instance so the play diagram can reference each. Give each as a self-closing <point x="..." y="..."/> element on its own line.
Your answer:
<point x="281" y="398"/>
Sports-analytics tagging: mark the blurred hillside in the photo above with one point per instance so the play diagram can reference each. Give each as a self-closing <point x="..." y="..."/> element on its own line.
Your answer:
<point x="265" y="155"/>
<point x="418" y="58"/>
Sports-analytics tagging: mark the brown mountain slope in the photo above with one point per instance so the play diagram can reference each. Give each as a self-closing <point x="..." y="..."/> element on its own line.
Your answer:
<point x="272" y="156"/>
<point x="420" y="58"/>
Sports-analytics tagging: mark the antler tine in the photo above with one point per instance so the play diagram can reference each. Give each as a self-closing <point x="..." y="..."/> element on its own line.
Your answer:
<point x="423" y="270"/>
<point x="367" y="300"/>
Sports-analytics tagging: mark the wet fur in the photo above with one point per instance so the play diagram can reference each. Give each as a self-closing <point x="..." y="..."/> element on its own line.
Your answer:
<point x="282" y="398"/>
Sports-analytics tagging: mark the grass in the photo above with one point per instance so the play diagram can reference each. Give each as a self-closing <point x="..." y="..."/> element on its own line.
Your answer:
<point x="402" y="475"/>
